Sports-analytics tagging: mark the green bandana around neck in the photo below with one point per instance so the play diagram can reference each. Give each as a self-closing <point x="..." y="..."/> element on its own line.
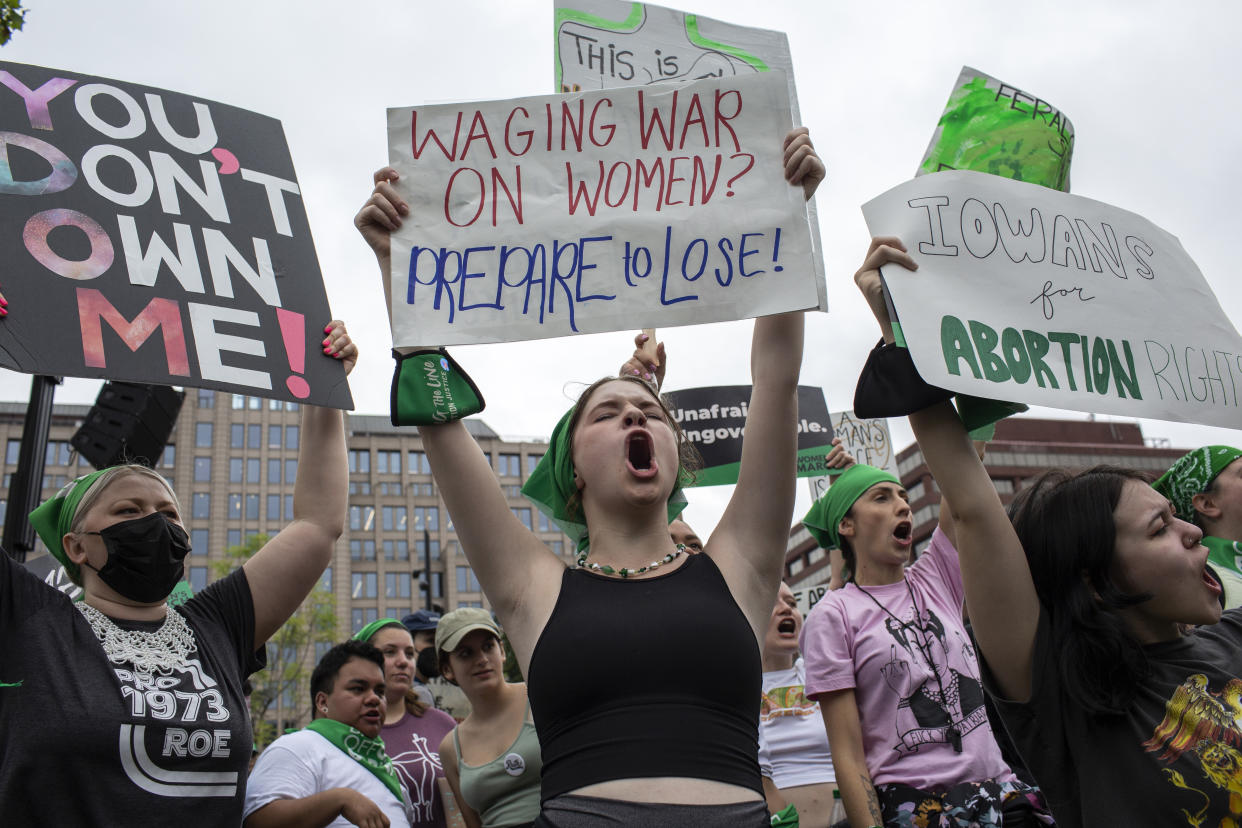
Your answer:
<point x="823" y="520"/>
<point x="551" y="485"/>
<point x="1192" y="474"/>
<point x="368" y="632"/>
<point x="52" y="518"/>
<point x="363" y="749"/>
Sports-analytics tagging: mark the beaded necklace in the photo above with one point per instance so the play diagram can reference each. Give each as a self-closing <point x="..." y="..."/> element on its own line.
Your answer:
<point x="623" y="571"/>
<point x="152" y="653"/>
<point x="952" y="733"/>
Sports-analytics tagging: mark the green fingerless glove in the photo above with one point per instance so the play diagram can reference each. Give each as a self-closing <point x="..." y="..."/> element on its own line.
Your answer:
<point x="429" y="388"/>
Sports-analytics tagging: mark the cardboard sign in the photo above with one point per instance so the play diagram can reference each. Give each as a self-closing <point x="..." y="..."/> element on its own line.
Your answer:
<point x="714" y="420"/>
<point x="603" y="44"/>
<point x="808" y="596"/>
<point x="600" y="211"/>
<point x="155" y="237"/>
<point x="1031" y="295"/>
<point x="991" y="127"/>
<point x="868" y="441"/>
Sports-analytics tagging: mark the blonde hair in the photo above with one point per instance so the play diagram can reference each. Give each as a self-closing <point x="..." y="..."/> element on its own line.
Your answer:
<point x="105" y="480"/>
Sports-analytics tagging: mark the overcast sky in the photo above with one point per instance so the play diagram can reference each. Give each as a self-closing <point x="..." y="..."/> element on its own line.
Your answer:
<point x="1148" y="86"/>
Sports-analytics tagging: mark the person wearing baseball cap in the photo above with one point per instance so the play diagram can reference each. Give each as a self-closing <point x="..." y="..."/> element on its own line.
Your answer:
<point x="495" y="786"/>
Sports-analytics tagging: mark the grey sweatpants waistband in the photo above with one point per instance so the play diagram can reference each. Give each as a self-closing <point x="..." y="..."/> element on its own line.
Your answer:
<point x="572" y="811"/>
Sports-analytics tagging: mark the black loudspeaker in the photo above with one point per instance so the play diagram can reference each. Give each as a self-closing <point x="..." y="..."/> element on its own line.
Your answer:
<point x="129" y="423"/>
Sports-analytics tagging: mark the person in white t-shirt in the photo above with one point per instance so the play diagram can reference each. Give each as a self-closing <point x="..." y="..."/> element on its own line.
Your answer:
<point x="793" y="747"/>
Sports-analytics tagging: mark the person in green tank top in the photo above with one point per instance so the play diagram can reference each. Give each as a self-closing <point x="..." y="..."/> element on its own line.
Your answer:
<point x="1205" y="487"/>
<point x="491" y="759"/>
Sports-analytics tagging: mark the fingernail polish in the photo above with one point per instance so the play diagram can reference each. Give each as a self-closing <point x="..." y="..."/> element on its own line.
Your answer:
<point x="4" y="303"/>
<point x="327" y="350"/>
<point x="328" y="329"/>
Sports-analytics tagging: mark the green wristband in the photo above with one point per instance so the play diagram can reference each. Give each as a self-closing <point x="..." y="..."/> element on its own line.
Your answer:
<point x="430" y="388"/>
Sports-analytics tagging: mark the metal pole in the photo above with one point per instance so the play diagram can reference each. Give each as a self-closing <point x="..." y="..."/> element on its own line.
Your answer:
<point x="427" y="564"/>
<point x="27" y="486"/>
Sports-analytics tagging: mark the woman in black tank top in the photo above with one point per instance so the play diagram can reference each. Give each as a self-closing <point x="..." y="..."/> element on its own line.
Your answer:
<point x="687" y="735"/>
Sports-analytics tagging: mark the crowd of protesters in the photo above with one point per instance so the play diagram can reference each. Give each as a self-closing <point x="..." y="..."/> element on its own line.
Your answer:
<point x="670" y="679"/>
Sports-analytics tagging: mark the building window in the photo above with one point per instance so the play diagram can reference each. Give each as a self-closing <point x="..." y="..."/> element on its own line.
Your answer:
<point x="235" y="506"/>
<point x="388" y="462"/>
<point x="235" y="469"/>
<point x="557" y="547"/>
<point x="396" y="585"/>
<point x="273" y="507"/>
<point x="396" y="550"/>
<point x="275" y="405"/>
<point x="253" y="467"/>
<point x="466" y="581"/>
<point x="532" y="460"/>
<point x="522" y="513"/>
<point x="201" y="505"/>
<point x="255" y="404"/>
<point x="435" y="549"/>
<point x="361" y="617"/>
<point x="273" y="436"/>
<point x="289" y="507"/>
<point x="206" y="398"/>
<point x="233" y="538"/>
<point x="291" y="438"/>
<point x="291" y="472"/>
<point x="252" y="507"/>
<point x="437" y="585"/>
<point x="202" y="469"/>
<point x="291" y="406"/>
<point x="239" y="402"/>
<point x="200" y="541"/>
<point x="168" y="460"/>
<point x="418" y="462"/>
<point x="796" y="566"/>
<point x="254" y="436"/>
<point x="202" y="435"/>
<point x="198" y="578"/>
<point x="326" y="580"/>
<point x="362" y="584"/>
<point x="362" y="550"/>
<point x="394" y="518"/>
<point x="427" y="517"/>
<point x="362" y="518"/>
<point x="273" y="470"/>
<point x="509" y="465"/>
<point x="237" y="435"/>
<point x="359" y="461"/>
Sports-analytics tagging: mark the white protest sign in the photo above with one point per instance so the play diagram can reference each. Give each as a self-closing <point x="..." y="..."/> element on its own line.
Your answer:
<point x="808" y="596"/>
<point x="867" y="440"/>
<point x="1032" y="295"/>
<point x="602" y="44"/>
<point x="599" y="211"/>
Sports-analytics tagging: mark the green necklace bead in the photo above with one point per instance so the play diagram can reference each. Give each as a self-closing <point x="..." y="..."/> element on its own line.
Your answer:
<point x="622" y="571"/>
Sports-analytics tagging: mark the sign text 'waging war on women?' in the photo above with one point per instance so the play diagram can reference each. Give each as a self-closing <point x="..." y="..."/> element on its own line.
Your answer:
<point x="155" y="237"/>
<point x="1031" y="295"/>
<point x="598" y="211"/>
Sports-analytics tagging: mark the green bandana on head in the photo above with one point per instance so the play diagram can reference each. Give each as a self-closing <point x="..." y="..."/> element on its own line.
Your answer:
<point x="368" y="632"/>
<point x="363" y="749"/>
<point x="1192" y="475"/>
<point x="824" y="518"/>
<point x="551" y="485"/>
<point x="54" y="516"/>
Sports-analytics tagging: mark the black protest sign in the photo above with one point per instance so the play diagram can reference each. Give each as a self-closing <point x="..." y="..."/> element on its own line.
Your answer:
<point x="155" y="237"/>
<point x="714" y="420"/>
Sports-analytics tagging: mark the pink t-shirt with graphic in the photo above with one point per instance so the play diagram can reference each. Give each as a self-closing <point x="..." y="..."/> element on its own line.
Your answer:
<point x="904" y="651"/>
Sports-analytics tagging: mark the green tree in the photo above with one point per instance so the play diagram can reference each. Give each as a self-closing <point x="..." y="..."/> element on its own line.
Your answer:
<point x="12" y="16"/>
<point x="281" y="696"/>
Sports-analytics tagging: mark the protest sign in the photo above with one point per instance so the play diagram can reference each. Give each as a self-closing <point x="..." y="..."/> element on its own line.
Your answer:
<point x="597" y="211"/>
<point x="1031" y="295"/>
<point x="603" y="44"/>
<point x="155" y="237"/>
<point x="868" y="441"/>
<point x="991" y="127"/>
<point x="808" y="596"/>
<point x="714" y="420"/>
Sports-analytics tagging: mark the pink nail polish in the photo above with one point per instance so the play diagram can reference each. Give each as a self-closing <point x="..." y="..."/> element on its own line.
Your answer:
<point x="328" y="329"/>
<point x="327" y="350"/>
<point x="326" y="341"/>
<point x="4" y="303"/>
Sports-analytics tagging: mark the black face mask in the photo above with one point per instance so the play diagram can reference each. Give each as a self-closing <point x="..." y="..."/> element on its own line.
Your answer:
<point x="144" y="557"/>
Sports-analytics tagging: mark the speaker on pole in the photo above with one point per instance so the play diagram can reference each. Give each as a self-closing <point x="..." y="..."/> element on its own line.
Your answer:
<point x="129" y="423"/>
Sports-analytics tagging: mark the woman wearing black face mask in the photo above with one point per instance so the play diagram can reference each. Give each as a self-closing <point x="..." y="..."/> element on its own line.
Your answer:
<point x="144" y="700"/>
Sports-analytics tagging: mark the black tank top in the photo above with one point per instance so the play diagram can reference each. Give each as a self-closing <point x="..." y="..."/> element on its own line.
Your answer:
<point x="653" y="677"/>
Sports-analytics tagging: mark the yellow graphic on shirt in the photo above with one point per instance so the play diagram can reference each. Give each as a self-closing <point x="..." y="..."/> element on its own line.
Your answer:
<point x="1208" y="725"/>
<point x="786" y="701"/>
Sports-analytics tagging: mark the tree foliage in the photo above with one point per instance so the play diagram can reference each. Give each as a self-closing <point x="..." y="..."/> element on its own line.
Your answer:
<point x="12" y="16"/>
<point x="281" y="696"/>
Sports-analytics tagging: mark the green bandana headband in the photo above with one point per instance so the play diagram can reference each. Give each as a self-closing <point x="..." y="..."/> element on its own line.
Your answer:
<point x="824" y="518"/>
<point x="368" y="632"/>
<point x="551" y="485"/>
<point x="54" y="516"/>
<point x="1192" y="474"/>
<point x="366" y="751"/>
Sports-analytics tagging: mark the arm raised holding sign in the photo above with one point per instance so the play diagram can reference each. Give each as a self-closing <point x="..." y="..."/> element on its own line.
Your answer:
<point x="611" y="479"/>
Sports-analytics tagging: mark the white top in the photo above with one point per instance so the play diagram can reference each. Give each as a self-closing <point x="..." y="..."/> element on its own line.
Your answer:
<point x="301" y="764"/>
<point x="793" y="745"/>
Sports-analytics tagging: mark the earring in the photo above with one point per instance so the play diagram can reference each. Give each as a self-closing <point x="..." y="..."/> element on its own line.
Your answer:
<point x="323" y="709"/>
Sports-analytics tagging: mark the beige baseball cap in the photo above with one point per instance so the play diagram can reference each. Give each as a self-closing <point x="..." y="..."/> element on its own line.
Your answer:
<point x="455" y="625"/>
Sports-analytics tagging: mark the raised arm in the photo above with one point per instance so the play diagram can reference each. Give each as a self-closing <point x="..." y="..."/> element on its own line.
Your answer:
<point x="519" y="574"/>
<point x="1000" y="595"/>
<point x="285" y="570"/>
<point x="749" y="541"/>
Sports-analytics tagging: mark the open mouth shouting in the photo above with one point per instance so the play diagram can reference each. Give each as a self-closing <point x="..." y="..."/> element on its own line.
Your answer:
<point x="903" y="533"/>
<point x="787" y="626"/>
<point x="640" y="454"/>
